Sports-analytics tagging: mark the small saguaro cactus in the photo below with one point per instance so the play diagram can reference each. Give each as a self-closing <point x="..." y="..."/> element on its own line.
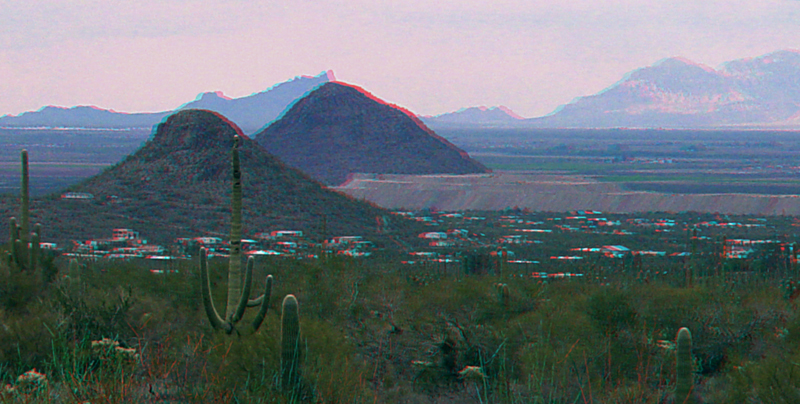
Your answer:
<point x="502" y="293"/>
<point x="73" y="270"/>
<point x="684" y="380"/>
<point x="451" y="346"/>
<point x="238" y="294"/>
<point x="290" y="343"/>
<point x="503" y="256"/>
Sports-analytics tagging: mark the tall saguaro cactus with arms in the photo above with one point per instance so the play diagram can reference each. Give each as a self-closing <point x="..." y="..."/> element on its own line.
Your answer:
<point x="24" y="245"/>
<point x="25" y="201"/>
<point x="238" y="293"/>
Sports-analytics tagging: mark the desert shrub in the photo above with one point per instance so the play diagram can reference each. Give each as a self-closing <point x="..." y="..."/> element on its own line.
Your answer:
<point x="631" y="392"/>
<point x="25" y="340"/>
<point x="789" y="332"/>
<point x="727" y="325"/>
<point x="322" y="286"/>
<point x="249" y="367"/>
<point x="91" y="310"/>
<point x="26" y="323"/>
<point x="665" y="309"/>
<point x="611" y="310"/>
<point x="559" y="341"/>
<point x="478" y="263"/>
<point x="47" y="266"/>
<point x="770" y="380"/>
<point x="330" y="368"/>
<point x="249" y="363"/>
<point x="17" y="288"/>
<point x="95" y="371"/>
<point x="471" y="297"/>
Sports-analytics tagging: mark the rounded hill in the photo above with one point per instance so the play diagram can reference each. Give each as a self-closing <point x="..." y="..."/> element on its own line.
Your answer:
<point x="339" y="129"/>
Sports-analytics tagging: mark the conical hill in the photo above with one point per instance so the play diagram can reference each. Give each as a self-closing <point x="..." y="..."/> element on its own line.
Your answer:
<point x="179" y="185"/>
<point x="339" y="129"/>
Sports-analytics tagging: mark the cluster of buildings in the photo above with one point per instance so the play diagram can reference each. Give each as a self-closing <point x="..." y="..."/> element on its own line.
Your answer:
<point x="127" y="244"/>
<point x="530" y="235"/>
<point x="452" y="234"/>
<point x="123" y="244"/>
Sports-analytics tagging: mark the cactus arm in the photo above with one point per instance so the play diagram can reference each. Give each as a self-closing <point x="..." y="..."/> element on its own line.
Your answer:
<point x="290" y="341"/>
<point x="36" y="240"/>
<point x="34" y="250"/>
<point x="683" y="368"/>
<point x="255" y="302"/>
<point x="262" y="312"/>
<point x="235" y="266"/>
<point x="208" y="300"/>
<point x="248" y="280"/>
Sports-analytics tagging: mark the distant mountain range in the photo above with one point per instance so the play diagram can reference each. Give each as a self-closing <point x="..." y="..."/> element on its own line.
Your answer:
<point x="762" y="92"/>
<point x="340" y="129"/>
<point x="493" y="116"/>
<point x="757" y="93"/>
<point x="250" y="113"/>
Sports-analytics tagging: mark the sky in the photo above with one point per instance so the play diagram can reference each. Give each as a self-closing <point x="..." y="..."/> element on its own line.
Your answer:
<point x="430" y="57"/>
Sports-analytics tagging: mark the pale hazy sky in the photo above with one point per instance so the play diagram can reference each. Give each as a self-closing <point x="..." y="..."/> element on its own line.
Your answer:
<point x="430" y="57"/>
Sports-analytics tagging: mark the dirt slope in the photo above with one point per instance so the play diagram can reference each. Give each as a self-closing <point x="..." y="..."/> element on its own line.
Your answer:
<point x="548" y="193"/>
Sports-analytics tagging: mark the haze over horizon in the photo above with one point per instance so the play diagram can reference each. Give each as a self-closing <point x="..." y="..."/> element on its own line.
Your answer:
<point x="530" y="56"/>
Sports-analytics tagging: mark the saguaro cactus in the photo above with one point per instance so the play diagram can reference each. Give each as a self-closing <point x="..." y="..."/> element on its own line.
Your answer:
<point x="73" y="270"/>
<point x="290" y="343"/>
<point x="235" y="264"/>
<point x="24" y="255"/>
<point x="503" y="294"/>
<point x="684" y="380"/>
<point x="238" y="294"/>
<point x="503" y="262"/>
<point x="25" y="202"/>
